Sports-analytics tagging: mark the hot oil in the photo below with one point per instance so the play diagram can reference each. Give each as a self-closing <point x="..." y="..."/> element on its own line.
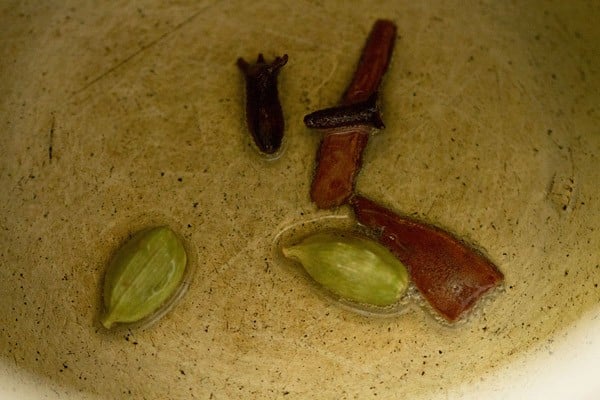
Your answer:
<point x="480" y="135"/>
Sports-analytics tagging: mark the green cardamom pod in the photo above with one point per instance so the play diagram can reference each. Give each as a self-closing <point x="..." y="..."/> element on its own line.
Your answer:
<point x="144" y="273"/>
<point x="355" y="268"/>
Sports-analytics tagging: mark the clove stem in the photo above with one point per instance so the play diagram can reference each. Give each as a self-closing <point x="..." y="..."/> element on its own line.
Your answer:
<point x="363" y="113"/>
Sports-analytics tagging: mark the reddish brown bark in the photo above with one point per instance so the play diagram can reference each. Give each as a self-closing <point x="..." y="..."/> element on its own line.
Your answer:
<point x="373" y="63"/>
<point x="333" y="182"/>
<point x="451" y="275"/>
<point x="339" y="160"/>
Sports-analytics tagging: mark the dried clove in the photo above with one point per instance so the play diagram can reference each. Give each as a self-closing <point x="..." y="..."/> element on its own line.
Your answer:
<point x="363" y="113"/>
<point x="264" y="115"/>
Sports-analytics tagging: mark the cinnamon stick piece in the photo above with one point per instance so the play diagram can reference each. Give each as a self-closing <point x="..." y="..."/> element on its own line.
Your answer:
<point x="339" y="159"/>
<point x="373" y="63"/>
<point x="451" y="275"/>
<point x="333" y="182"/>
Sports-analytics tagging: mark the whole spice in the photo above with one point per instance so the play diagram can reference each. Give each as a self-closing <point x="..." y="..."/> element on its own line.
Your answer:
<point x="338" y="157"/>
<point x="263" y="109"/>
<point x="373" y="64"/>
<point x="143" y="274"/>
<point x="353" y="267"/>
<point x="451" y="275"/>
<point x="364" y="113"/>
<point x="333" y="182"/>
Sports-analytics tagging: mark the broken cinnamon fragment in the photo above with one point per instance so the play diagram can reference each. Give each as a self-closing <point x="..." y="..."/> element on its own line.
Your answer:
<point x="374" y="61"/>
<point x="333" y="182"/>
<point x="451" y="275"/>
<point x="339" y="157"/>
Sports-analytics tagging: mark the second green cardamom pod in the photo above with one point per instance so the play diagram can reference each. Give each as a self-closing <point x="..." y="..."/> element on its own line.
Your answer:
<point x="143" y="275"/>
<point x="353" y="267"/>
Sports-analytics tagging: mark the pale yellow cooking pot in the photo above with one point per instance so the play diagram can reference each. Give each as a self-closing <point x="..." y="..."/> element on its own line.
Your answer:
<point x="116" y="116"/>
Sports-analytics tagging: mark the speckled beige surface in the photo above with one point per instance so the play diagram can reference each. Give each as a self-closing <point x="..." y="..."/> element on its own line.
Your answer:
<point x="116" y="117"/>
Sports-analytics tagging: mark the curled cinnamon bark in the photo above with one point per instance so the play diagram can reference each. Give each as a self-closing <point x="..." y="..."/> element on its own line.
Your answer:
<point x="343" y="149"/>
<point x="373" y="63"/>
<point x="451" y="275"/>
<point x="333" y="182"/>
